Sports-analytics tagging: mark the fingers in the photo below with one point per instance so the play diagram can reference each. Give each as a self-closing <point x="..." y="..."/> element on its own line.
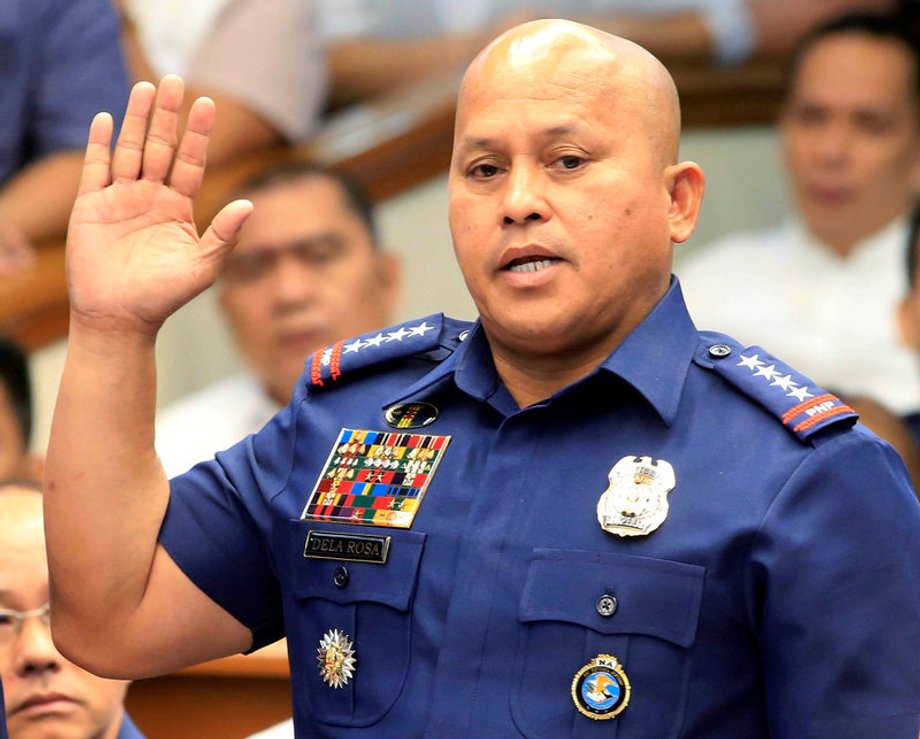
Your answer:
<point x="224" y="230"/>
<point x="95" y="174"/>
<point x="162" y="133"/>
<point x="129" y="151"/>
<point x="188" y="168"/>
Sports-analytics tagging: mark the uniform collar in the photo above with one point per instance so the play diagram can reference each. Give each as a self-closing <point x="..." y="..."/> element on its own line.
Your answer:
<point x="653" y="359"/>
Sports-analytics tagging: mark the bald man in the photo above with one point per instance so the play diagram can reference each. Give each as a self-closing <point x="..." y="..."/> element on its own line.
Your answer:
<point x="47" y="696"/>
<point x="576" y="516"/>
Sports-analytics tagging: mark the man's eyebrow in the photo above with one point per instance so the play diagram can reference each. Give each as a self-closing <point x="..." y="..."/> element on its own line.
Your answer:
<point x="486" y="142"/>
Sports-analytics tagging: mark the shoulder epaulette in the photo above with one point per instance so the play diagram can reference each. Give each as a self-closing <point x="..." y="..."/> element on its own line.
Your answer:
<point x="329" y="365"/>
<point x="801" y="405"/>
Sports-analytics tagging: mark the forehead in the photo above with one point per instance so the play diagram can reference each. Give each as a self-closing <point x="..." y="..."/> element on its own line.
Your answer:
<point x="297" y="209"/>
<point x="857" y="69"/>
<point x="22" y="539"/>
<point x="564" y="86"/>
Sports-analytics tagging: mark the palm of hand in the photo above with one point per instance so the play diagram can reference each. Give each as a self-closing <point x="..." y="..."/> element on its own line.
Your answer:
<point x="132" y="252"/>
<point x="134" y="255"/>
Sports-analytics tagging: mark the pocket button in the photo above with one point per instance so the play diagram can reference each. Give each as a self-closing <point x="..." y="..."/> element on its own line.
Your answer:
<point x="606" y="605"/>
<point x="341" y="577"/>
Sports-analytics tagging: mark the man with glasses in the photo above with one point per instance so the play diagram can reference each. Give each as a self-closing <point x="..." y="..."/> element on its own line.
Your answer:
<point x="46" y="695"/>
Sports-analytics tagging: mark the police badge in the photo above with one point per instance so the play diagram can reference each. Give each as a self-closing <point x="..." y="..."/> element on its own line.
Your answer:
<point x="635" y="502"/>
<point x="601" y="689"/>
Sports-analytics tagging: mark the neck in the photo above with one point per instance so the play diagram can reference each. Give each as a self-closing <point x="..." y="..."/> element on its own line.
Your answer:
<point x="531" y="379"/>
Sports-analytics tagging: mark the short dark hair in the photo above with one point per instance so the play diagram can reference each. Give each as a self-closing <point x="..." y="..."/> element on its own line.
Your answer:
<point x="281" y="174"/>
<point x="14" y="374"/>
<point x="884" y="26"/>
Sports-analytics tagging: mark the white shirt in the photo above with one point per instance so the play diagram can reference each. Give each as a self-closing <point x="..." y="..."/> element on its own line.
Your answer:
<point x="832" y="318"/>
<point x="211" y="420"/>
<point x="284" y="730"/>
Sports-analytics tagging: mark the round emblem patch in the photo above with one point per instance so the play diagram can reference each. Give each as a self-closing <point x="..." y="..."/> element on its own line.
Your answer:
<point x="601" y="689"/>
<point x="336" y="658"/>
<point x="411" y="415"/>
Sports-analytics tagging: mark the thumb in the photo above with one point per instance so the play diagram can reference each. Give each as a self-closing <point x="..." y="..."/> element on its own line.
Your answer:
<point x="224" y="230"/>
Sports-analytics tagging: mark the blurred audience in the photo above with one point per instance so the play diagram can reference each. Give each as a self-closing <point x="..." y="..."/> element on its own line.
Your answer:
<point x="822" y="289"/>
<point x="308" y="270"/>
<point x="259" y="60"/>
<point x="60" y="62"/>
<point x="375" y="46"/>
<point x="16" y="415"/>
<point x="47" y="696"/>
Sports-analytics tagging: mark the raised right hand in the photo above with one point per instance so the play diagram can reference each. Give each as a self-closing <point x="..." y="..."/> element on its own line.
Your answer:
<point x="133" y="252"/>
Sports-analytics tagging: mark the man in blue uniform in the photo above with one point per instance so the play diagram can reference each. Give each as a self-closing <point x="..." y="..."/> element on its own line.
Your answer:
<point x="577" y="516"/>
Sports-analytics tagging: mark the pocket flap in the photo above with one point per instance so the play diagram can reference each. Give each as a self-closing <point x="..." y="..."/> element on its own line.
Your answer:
<point x="390" y="584"/>
<point x="655" y="597"/>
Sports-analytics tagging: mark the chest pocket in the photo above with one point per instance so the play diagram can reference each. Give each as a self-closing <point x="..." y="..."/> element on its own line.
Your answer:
<point x="369" y="603"/>
<point x="576" y="605"/>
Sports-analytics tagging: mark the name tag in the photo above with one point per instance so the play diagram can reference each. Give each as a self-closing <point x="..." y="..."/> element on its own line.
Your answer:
<point x="349" y="547"/>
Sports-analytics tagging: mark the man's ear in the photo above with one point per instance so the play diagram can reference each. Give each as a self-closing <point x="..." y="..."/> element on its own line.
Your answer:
<point x="390" y="272"/>
<point x="686" y="183"/>
<point x="34" y="467"/>
<point x="908" y="319"/>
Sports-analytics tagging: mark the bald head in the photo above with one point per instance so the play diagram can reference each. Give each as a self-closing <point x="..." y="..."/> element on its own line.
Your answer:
<point x="551" y="54"/>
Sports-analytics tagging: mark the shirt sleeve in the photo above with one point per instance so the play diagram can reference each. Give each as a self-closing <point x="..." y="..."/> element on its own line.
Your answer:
<point x="82" y="73"/>
<point x="266" y="54"/>
<point x="835" y="587"/>
<point x="218" y="524"/>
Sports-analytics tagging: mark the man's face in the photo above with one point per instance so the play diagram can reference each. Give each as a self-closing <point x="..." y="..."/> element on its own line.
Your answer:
<point x="47" y="697"/>
<point x="14" y="460"/>
<point x="852" y="136"/>
<point x="304" y="275"/>
<point x="559" y="199"/>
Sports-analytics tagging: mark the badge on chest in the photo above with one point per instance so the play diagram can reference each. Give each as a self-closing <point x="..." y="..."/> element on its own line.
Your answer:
<point x="375" y="478"/>
<point x="635" y="502"/>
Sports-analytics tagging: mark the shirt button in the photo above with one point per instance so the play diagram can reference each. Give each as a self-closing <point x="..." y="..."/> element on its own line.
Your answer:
<point x="606" y="605"/>
<point x="463" y="335"/>
<point x="719" y="351"/>
<point x="341" y="577"/>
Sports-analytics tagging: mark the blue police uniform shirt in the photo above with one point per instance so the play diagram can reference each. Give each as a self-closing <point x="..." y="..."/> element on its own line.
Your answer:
<point x="780" y="595"/>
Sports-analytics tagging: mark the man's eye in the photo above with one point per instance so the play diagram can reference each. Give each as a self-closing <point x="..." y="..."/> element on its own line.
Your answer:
<point x="6" y="620"/>
<point x="484" y="171"/>
<point x="570" y="161"/>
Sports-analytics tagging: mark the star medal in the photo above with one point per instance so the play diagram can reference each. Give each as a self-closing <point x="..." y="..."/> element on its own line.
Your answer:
<point x="635" y="502"/>
<point x="336" y="658"/>
<point x="601" y="689"/>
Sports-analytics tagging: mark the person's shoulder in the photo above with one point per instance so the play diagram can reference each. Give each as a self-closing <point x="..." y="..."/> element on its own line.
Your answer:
<point x="430" y="339"/>
<point x="790" y="400"/>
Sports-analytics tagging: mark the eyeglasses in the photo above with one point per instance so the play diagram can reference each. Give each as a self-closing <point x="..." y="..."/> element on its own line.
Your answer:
<point x="11" y="622"/>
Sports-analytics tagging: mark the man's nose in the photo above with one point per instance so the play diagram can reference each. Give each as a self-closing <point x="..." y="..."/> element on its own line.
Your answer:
<point x="524" y="198"/>
<point x="34" y="651"/>
<point x="833" y="143"/>
<point x="294" y="281"/>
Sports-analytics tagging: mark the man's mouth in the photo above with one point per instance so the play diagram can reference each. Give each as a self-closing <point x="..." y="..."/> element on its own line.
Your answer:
<point x="43" y="700"/>
<point x="530" y="264"/>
